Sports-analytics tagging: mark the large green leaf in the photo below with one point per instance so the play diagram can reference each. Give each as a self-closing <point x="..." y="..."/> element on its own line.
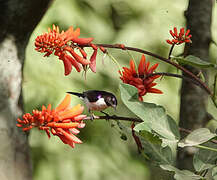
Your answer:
<point x="205" y="159"/>
<point x="153" y="150"/>
<point x="196" y="137"/>
<point x="154" y="116"/>
<point x="194" y="61"/>
<point x="155" y="119"/>
<point x="144" y="126"/>
<point x="214" y="173"/>
<point x="181" y="174"/>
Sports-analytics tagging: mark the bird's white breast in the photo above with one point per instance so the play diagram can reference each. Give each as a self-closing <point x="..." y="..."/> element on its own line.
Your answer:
<point x="99" y="105"/>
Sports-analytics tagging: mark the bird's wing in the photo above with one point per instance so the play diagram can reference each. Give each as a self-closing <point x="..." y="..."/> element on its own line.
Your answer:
<point x="92" y="95"/>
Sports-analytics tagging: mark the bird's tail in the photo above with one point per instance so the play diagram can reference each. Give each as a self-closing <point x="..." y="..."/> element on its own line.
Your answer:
<point x="81" y="95"/>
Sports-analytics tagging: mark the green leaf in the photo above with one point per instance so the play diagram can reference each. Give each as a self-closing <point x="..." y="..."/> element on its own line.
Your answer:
<point x="201" y="76"/>
<point x="196" y="137"/>
<point x="194" y="61"/>
<point x="129" y="97"/>
<point x="181" y="174"/>
<point x="155" y="119"/>
<point x="144" y="126"/>
<point x="154" y="116"/>
<point x="153" y="150"/>
<point x="150" y="137"/>
<point x="214" y="173"/>
<point x="205" y="159"/>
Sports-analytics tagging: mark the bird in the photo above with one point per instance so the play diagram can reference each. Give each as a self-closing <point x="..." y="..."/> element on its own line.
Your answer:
<point x="96" y="100"/>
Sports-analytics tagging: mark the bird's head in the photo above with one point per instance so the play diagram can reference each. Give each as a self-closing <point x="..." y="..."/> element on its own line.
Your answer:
<point x="111" y="100"/>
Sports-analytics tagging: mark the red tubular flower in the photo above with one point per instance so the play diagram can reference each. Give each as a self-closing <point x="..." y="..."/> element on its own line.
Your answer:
<point x="93" y="61"/>
<point x="63" y="45"/>
<point x="139" y="79"/>
<point x="62" y="121"/>
<point x="180" y="38"/>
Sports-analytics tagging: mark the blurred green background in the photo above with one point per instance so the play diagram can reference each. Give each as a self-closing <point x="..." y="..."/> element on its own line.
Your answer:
<point x="103" y="155"/>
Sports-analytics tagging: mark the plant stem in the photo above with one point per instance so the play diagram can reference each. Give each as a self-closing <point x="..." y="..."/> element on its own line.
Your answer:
<point x="174" y="75"/>
<point x="214" y="91"/>
<point x="114" y="117"/>
<point x="171" y="49"/>
<point x="190" y="74"/>
<point x="114" y="60"/>
<point x="205" y="147"/>
<point x="122" y="118"/>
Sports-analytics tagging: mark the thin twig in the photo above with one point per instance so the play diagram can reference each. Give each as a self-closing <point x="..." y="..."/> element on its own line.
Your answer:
<point x="174" y="75"/>
<point x="171" y="49"/>
<point x="114" y="117"/>
<point x="119" y="46"/>
<point x="214" y="91"/>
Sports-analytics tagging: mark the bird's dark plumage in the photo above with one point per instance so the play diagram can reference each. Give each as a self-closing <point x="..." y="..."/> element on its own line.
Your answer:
<point x="97" y="100"/>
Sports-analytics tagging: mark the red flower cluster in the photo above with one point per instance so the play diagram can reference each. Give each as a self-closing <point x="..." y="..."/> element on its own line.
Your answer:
<point x="180" y="38"/>
<point x="139" y="79"/>
<point x="62" y="121"/>
<point x="63" y="45"/>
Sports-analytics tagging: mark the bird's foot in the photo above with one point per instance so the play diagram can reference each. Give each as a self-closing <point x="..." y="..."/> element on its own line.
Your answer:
<point x="92" y="117"/>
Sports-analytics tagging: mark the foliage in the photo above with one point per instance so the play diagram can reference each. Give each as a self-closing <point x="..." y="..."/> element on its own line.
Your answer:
<point x="181" y="174"/>
<point x="197" y="137"/>
<point x="160" y="137"/>
<point x="205" y="159"/>
<point x="159" y="133"/>
<point x="194" y="61"/>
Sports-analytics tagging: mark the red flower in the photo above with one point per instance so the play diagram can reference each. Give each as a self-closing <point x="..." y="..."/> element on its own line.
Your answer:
<point x="62" y="121"/>
<point x="139" y="79"/>
<point x="180" y="38"/>
<point x="63" y="45"/>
